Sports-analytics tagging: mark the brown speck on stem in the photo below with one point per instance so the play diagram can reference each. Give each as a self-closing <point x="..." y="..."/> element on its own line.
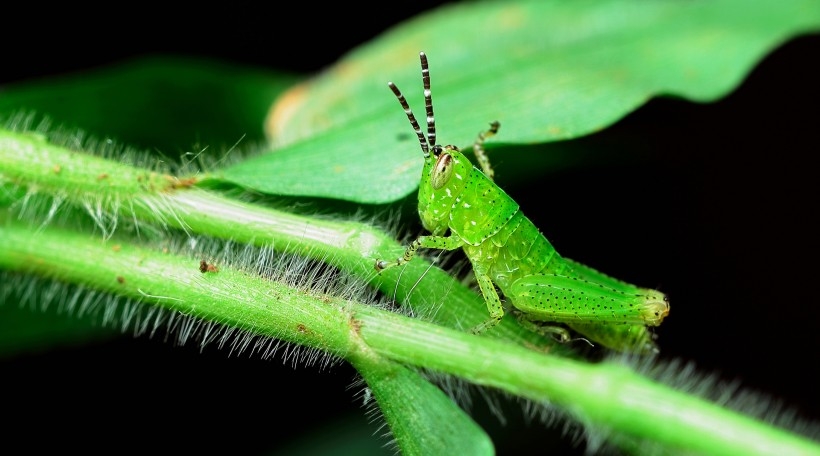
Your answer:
<point x="175" y="183"/>
<point x="204" y="267"/>
<point x="102" y="176"/>
<point x="355" y="325"/>
<point x="116" y="247"/>
<point x="120" y="279"/>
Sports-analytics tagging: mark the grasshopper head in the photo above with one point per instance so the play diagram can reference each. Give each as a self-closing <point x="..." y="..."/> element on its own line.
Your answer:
<point x="445" y="168"/>
<point x="442" y="181"/>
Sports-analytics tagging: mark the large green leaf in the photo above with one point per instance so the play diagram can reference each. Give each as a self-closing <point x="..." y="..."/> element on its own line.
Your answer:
<point x="547" y="70"/>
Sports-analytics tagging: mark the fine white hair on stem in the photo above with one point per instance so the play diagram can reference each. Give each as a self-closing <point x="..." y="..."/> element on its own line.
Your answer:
<point x="728" y="393"/>
<point x="137" y="315"/>
<point x="109" y="205"/>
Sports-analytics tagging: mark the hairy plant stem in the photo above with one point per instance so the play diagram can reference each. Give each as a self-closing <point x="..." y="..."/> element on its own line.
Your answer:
<point x="605" y="396"/>
<point x="149" y="197"/>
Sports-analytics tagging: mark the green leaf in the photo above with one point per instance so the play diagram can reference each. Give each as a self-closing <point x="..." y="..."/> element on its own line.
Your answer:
<point x="160" y="103"/>
<point x="422" y="419"/>
<point x="547" y="70"/>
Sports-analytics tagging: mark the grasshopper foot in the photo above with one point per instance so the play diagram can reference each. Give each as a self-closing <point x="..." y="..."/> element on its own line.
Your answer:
<point x="381" y="265"/>
<point x="486" y="325"/>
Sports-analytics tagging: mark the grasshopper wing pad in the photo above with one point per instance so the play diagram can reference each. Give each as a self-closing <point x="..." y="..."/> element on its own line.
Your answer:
<point x="481" y="210"/>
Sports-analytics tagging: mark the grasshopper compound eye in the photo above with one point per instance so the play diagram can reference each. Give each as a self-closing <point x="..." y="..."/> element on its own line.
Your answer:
<point x="442" y="172"/>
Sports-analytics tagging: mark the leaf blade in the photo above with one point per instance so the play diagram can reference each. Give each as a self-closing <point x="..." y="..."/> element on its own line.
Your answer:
<point x="547" y="70"/>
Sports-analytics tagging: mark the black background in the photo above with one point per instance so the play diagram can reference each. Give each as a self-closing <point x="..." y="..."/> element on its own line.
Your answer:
<point x="721" y="216"/>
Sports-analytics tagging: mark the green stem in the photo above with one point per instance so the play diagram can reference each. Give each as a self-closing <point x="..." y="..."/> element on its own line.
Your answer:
<point x="28" y="160"/>
<point x="238" y="300"/>
<point x="605" y="395"/>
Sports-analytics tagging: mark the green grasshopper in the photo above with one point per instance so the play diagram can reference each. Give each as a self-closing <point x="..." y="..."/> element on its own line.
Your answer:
<point x="507" y="250"/>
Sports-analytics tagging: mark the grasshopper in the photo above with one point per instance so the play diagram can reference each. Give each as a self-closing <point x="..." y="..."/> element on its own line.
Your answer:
<point x="508" y="251"/>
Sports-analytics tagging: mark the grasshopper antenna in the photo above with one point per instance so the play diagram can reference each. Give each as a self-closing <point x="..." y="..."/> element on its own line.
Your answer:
<point x="430" y="140"/>
<point x="428" y="100"/>
<point x="413" y="121"/>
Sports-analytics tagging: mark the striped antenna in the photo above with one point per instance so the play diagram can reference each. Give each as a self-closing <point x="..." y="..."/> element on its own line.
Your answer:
<point x="428" y="105"/>
<point x="413" y="121"/>
<point x="428" y="100"/>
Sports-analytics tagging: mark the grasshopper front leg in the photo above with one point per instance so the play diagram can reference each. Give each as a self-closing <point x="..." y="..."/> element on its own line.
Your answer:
<point x="451" y="242"/>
